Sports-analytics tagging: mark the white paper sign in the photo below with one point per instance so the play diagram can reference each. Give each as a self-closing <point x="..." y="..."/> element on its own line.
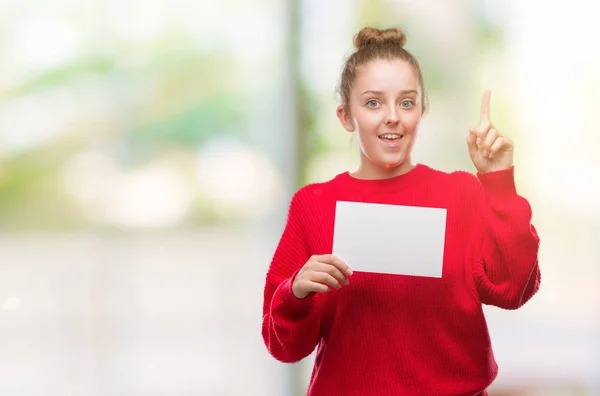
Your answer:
<point x="390" y="239"/>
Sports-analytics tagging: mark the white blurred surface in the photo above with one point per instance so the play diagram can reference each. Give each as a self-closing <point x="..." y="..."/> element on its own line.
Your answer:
<point x="135" y="315"/>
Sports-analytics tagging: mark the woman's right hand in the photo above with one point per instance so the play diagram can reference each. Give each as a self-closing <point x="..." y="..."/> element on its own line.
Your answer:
<point x="319" y="274"/>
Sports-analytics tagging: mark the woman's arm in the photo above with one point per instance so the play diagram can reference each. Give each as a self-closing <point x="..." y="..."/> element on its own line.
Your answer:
<point x="290" y="326"/>
<point x="506" y="271"/>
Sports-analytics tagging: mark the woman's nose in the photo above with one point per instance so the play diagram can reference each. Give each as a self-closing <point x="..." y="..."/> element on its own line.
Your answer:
<point x="391" y="116"/>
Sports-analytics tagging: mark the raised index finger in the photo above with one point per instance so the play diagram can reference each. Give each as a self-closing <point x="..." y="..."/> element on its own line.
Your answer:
<point x="485" y="106"/>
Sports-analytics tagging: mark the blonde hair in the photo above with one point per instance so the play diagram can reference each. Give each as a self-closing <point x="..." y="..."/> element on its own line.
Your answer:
<point x="371" y="44"/>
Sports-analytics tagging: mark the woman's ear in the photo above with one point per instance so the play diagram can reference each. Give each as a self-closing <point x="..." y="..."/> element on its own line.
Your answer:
<point x="345" y="118"/>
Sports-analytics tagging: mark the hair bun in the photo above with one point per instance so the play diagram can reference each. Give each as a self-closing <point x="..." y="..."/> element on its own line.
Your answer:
<point x="370" y="36"/>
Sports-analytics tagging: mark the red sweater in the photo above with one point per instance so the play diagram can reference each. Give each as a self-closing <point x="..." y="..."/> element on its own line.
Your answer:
<point x="404" y="335"/>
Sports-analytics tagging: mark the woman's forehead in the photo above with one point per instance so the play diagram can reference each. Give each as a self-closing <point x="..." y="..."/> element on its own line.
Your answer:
<point x="386" y="75"/>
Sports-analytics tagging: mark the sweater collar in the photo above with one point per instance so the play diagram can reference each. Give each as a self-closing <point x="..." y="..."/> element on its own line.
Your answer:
<point x="392" y="184"/>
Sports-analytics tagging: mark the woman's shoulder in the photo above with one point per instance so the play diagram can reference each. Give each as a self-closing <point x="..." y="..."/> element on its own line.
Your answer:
<point x="314" y="190"/>
<point x="456" y="177"/>
<point x="458" y="181"/>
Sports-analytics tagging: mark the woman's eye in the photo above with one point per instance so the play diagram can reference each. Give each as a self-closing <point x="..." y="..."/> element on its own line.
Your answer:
<point x="407" y="104"/>
<point x="372" y="103"/>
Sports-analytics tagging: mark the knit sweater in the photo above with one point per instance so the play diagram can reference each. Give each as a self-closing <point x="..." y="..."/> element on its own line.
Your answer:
<point x="387" y="334"/>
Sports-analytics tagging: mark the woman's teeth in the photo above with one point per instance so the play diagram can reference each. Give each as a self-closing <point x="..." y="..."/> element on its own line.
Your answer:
<point x="390" y="136"/>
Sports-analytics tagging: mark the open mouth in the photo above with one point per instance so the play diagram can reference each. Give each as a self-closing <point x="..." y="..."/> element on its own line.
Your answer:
<point x="390" y="137"/>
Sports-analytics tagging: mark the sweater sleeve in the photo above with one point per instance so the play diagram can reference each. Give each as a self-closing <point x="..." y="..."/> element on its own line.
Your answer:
<point x="290" y="326"/>
<point x="506" y="271"/>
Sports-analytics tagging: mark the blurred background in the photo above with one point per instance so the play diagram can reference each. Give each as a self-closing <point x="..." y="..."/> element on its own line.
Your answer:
<point x="149" y="149"/>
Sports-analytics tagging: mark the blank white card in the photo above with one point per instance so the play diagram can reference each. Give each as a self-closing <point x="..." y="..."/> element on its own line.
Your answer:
<point x="391" y="239"/>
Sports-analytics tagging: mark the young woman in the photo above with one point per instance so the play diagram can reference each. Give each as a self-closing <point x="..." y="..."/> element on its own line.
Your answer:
<point x="380" y="334"/>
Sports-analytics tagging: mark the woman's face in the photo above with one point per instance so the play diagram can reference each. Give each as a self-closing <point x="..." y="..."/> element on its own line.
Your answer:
<point x="384" y="109"/>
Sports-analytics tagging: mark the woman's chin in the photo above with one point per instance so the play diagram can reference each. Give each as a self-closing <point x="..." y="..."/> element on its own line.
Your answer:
<point x="389" y="163"/>
<point x="386" y="163"/>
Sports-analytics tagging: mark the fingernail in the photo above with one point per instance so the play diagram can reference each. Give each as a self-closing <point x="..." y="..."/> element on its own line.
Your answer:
<point x="349" y="271"/>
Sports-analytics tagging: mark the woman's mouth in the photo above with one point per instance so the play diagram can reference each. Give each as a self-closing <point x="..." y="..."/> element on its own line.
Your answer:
<point x="391" y="139"/>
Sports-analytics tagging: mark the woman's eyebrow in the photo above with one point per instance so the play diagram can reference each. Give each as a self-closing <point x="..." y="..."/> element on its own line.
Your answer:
<point x="403" y="92"/>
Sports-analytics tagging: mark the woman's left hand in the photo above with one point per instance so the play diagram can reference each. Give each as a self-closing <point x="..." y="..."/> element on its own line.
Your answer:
<point x="489" y="150"/>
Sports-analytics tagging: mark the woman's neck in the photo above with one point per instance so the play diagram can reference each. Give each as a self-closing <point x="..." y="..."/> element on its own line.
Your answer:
<point x="370" y="171"/>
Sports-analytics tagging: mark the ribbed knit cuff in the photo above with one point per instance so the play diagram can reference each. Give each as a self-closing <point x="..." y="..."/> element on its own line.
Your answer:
<point x="500" y="184"/>
<point x="291" y="305"/>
